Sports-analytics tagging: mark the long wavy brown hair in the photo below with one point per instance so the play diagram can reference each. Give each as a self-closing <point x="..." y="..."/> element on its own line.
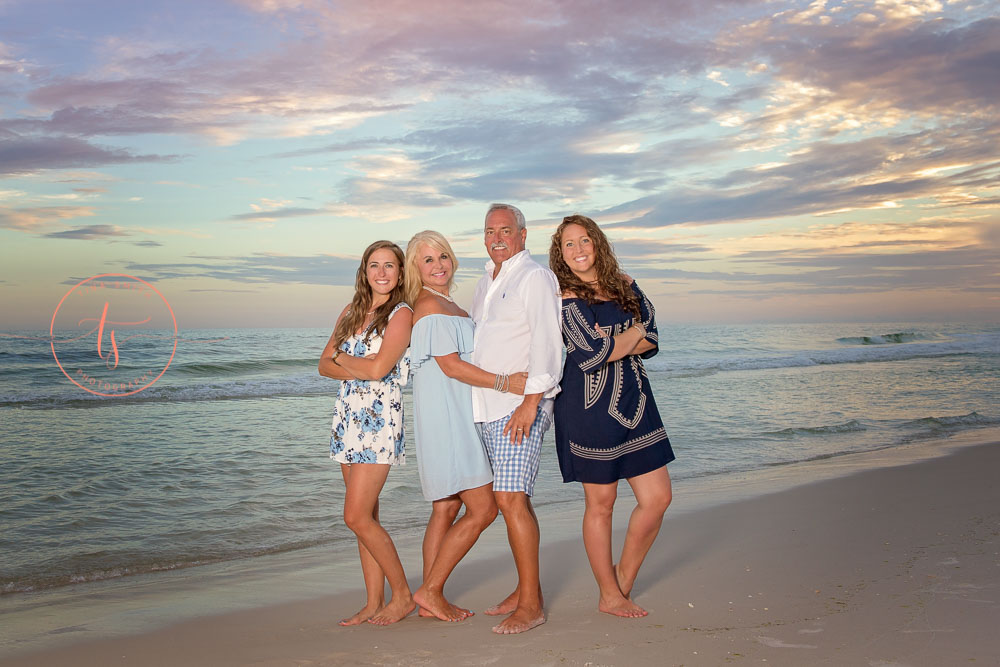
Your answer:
<point x="611" y="283"/>
<point x="362" y="301"/>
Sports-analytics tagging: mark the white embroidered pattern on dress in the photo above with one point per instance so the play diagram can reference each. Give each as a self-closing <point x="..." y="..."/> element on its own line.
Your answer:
<point x="616" y="392"/>
<point x="626" y="447"/>
<point x="578" y="332"/>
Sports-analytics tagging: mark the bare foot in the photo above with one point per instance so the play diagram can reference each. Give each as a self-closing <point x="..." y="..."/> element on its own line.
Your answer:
<point x="458" y="610"/>
<point x="520" y="621"/>
<point x="436" y="604"/>
<point x="508" y="605"/>
<point x="621" y="607"/>
<point x="396" y="610"/>
<point x="367" y="612"/>
<point x="624" y="586"/>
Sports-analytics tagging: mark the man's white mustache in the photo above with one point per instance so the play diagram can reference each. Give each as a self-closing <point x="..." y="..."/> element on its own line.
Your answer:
<point x="498" y="246"/>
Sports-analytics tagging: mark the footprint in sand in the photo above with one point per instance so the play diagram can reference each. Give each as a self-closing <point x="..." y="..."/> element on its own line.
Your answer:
<point x="777" y="643"/>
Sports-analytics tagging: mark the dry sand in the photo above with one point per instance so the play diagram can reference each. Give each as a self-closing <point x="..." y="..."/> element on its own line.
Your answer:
<point x="891" y="566"/>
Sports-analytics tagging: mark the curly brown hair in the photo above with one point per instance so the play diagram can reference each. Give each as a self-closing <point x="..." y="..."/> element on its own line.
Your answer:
<point x="362" y="301"/>
<point x="611" y="282"/>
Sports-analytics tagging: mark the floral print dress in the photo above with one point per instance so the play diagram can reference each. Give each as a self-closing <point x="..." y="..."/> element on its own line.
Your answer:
<point x="368" y="415"/>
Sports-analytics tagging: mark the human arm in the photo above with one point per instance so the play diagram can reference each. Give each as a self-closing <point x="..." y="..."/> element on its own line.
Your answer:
<point x="519" y="424"/>
<point x="327" y="367"/>
<point x="639" y="339"/>
<point x="542" y="303"/>
<point x="394" y="343"/>
<point x="458" y="369"/>
<point x="628" y="342"/>
<point x="443" y="339"/>
<point x="649" y="346"/>
<point x="590" y="346"/>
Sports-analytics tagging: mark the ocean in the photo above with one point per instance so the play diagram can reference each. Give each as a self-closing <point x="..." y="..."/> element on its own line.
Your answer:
<point x="226" y="456"/>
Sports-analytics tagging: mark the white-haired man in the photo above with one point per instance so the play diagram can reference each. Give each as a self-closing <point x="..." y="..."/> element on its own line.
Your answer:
<point x="516" y="309"/>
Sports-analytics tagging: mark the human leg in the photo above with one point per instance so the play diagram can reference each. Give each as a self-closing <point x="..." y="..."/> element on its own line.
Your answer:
<point x="443" y="514"/>
<point x="515" y="468"/>
<point x="373" y="575"/>
<point x="653" y="495"/>
<point x="523" y="536"/>
<point x="364" y="483"/>
<point x="480" y="511"/>
<point x="597" y="522"/>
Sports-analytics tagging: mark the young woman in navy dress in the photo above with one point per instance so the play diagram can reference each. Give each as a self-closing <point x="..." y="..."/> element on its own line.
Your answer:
<point x="606" y="422"/>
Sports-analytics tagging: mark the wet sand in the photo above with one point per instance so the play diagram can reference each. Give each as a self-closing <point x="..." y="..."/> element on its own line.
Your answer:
<point x="894" y="565"/>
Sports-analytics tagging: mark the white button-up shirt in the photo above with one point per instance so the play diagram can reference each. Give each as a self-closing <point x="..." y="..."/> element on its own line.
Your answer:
<point x="517" y="318"/>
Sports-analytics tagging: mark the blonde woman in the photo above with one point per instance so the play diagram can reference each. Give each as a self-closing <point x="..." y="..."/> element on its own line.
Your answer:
<point x="454" y="468"/>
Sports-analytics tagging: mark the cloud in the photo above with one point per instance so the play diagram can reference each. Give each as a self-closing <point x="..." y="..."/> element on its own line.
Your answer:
<point x="89" y="233"/>
<point x="640" y="248"/>
<point x="270" y="268"/>
<point x="39" y="218"/>
<point x="274" y="214"/>
<point x="828" y="176"/>
<point x="848" y="74"/>
<point x="258" y="269"/>
<point x="760" y="116"/>
<point x="20" y="155"/>
<point x="845" y="273"/>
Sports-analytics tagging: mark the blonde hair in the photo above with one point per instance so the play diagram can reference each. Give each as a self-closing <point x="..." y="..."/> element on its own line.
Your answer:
<point x="412" y="282"/>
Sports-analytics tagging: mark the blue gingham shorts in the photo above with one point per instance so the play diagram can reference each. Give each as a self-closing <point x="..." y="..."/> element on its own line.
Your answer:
<point x="515" y="467"/>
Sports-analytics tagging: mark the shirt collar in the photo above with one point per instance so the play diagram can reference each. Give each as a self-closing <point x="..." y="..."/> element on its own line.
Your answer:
<point x="506" y="266"/>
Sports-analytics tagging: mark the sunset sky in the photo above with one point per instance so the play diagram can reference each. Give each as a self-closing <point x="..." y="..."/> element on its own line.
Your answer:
<point x="752" y="161"/>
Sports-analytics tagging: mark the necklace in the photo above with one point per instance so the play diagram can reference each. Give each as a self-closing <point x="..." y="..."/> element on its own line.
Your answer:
<point x="443" y="296"/>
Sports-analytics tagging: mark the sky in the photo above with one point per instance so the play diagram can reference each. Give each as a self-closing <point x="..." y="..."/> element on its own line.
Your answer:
<point x="752" y="161"/>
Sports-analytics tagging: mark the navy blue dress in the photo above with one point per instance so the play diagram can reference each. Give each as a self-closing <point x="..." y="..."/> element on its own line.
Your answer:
<point x="607" y="425"/>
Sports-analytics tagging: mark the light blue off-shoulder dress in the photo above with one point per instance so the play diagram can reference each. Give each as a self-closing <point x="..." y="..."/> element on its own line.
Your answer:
<point x="450" y="453"/>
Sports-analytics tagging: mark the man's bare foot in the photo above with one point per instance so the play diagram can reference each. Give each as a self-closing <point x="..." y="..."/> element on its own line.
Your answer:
<point x="621" y="607"/>
<point x="437" y="605"/>
<point x="397" y="609"/>
<point x="623" y="585"/>
<point x="508" y="605"/>
<point x="520" y="621"/>
<point x="367" y="612"/>
<point x="460" y="610"/>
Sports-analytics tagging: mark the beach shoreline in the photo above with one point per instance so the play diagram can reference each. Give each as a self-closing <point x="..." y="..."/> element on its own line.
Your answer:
<point x="890" y="556"/>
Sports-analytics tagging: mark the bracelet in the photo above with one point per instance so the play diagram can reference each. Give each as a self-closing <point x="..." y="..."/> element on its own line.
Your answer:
<point x="501" y="382"/>
<point x="335" y="355"/>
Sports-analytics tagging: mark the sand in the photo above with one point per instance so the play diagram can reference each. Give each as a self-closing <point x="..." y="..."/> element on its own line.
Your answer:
<point x="888" y="566"/>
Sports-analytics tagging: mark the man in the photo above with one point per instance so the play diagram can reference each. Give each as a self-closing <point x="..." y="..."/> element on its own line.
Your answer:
<point x="516" y="309"/>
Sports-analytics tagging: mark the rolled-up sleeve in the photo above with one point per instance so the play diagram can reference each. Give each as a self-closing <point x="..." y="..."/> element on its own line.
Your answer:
<point x="584" y="346"/>
<point x="648" y="315"/>
<point x="648" y="318"/>
<point x="542" y="303"/>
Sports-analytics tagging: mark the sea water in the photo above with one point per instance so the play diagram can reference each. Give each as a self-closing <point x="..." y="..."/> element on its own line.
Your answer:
<point x="226" y="456"/>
